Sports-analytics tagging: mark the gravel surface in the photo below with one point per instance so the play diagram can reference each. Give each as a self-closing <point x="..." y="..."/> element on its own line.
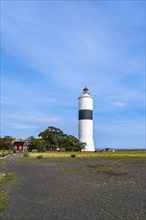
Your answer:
<point x="52" y="190"/>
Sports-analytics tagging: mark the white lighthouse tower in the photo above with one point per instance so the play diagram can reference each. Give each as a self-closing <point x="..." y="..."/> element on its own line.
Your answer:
<point x="85" y="128"/>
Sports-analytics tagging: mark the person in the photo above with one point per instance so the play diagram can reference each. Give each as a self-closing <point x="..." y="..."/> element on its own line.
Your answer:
<point x="14" y="152"/>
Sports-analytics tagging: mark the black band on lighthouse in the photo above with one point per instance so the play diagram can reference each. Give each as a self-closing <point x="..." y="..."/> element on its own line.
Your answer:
<point x="85" y="114"/>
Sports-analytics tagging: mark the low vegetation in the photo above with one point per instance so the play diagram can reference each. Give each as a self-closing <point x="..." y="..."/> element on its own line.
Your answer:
<point x="110" y="169"/>
<point x="4" y="153"/>
<point x="3" y="200"/>
<point x="4" y="196"/>
<point x="105" y="167"/>
<point x="117" y="155"/>
<point x="7" y="178"/>
<point x="6" y="143"/>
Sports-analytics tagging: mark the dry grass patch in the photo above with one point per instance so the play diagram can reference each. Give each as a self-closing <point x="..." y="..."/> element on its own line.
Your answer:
<point x="117" y="155"/>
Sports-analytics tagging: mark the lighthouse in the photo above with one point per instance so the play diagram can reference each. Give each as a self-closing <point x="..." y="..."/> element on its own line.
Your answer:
<point x="85" y="126"/>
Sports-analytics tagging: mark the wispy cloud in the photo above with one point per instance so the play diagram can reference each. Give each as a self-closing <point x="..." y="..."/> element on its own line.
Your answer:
<point x="23" y="126"/>
<point x="29" y="118"/>
<point x="123" y="128"/>
<point x="119" y="104"/>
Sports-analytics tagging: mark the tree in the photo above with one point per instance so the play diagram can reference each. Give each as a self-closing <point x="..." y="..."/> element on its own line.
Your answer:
<point x="53" y="136"/>
<point x="71" y="143"/>
<point x="6" y="142"/>
<point x="36" y="143"/>
<point x="52" y="139"/>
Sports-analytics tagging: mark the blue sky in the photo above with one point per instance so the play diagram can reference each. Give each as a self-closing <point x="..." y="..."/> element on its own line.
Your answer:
<point x="50" y="50"/>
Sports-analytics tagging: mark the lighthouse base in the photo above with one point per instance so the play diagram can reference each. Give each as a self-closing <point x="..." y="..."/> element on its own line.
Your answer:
<point x="89" y="144"/>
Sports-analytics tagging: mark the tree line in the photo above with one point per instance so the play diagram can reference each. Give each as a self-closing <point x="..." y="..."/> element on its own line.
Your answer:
<point x="51" y="139"/>
<point x="6" y="143"/>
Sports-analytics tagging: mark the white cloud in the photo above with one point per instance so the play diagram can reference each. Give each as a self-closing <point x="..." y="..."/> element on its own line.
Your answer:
<point x="22" y="126"/>
<point x="29" y="118"/>
<point x="119" y="104"/>
<point x="4" y="99"/>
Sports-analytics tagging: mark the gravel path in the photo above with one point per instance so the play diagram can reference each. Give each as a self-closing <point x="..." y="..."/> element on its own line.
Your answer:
<point x="53" y="190"/>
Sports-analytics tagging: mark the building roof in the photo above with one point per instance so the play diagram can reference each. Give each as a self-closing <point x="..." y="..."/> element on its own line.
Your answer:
<point x="18" y="143"/>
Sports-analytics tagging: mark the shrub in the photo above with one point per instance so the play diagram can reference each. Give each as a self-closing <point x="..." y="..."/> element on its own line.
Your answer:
<point x="4" y="153"/>
<point x="39" y="157"/>
<point x="26" y="154"/>
<point x="73" y="155"/>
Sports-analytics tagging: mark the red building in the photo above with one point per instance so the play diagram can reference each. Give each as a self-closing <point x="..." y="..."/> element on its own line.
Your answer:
<point x="19" y="145"/>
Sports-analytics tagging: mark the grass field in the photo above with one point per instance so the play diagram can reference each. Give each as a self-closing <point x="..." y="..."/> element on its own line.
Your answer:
<point x="117" y="155"/>
<point x="4" y="196"/>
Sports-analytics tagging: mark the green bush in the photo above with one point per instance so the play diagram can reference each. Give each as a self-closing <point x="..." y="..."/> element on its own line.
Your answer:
<point x="4" y="153"/>
<point x="39" y="157"/>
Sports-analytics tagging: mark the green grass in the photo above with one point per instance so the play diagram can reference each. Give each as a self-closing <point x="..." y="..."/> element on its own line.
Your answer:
<point x="66" y="169"/>
<point x="106" y="167"/>
<point x="9" y="177"/>
<point x="109" y="169"/>
<point x="94" y="167"/>
<point x="3" y="200"/>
